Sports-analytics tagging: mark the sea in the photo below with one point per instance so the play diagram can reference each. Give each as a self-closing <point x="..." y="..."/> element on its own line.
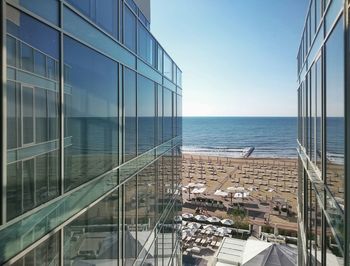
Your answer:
<point x="271" y="137"/>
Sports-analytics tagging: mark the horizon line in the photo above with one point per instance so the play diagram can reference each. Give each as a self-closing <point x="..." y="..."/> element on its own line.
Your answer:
<point x="239" y="116"/>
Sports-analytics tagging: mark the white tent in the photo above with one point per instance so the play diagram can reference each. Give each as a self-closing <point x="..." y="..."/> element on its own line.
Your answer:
<point x="187" y="215"/>
<point x="201" y="218"/>
<point x="227" y="222"/>
<point x="213" y="219"/>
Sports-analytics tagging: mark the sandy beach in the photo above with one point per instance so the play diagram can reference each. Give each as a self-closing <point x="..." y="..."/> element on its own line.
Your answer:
<point x="264" y="188"/>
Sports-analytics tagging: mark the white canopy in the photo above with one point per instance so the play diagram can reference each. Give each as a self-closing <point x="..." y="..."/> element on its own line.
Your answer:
<point x="213" y="219"/>
<point x="220" y="193"/>
<point x="227" y="222"/>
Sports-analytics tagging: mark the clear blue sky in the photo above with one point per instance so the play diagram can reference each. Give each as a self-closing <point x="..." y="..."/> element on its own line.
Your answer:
<point x="238" y="57"/>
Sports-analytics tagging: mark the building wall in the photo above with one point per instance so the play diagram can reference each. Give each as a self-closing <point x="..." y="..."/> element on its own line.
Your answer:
<point x="91" y="136"/>
<point x="322" y="131"/>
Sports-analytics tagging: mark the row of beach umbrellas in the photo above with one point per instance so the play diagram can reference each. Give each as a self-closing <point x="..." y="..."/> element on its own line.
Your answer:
<point x="204" y="218"/>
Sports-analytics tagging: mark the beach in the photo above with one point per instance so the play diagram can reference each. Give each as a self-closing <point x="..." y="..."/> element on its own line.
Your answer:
<point x="255" y="191"/>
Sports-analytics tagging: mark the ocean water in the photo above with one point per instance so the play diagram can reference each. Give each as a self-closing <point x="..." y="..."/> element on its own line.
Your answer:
<point x="227" y="136"/>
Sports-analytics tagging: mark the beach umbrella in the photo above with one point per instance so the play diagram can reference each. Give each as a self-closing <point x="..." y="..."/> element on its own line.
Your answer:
<point x="194" y="226"/>
<point x="220" y="193"/>
<point x="201" y="218"/>
<point x="210" y="227"/>
<point x="213" y="219"/>
<point x="238" y="195"/>
<point x="199" y="185"/>
<point x="224" y="230"/>
<point x="227" y="222"/>
<point x="187" y="215"/>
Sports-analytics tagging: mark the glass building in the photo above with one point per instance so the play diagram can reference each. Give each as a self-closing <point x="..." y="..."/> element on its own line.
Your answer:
<point x="323" y="135"/>
<point x="91" y="134"/>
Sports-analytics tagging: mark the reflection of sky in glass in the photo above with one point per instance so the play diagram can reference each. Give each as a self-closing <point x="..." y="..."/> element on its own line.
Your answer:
<point x="335" y="91"/>
<point x="335" y="73"/>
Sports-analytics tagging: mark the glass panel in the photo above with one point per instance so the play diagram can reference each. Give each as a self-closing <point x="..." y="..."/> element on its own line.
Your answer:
<point x="333" y="249"/>
<point x="167" y="71"/>
<point x="179" y="77"/>
<point x="28" y="184"/>
<point x="93" y="237"/>
<point x="146" y="197"/>
<point x="47" y="253"/>
<point x="11" y="47"/>
<point x="146" y="114"/>
<point x="318" y="72"/>
<point x="179" y="115"/>
<point x="28" y="115"/>
<point x="146" y="45"/>
<point x="39" y="63"/>
<point x="129" y="29"/>
<point x="27" y="57"/>
<point x="92" y="118"/>
<point x="160" y="59"/>
<point x="14" y="190"/>
<point x="160" y="114"/>
<point x="335" y="113"/>
<point x="131" y="244"/>
<point x="332" y="13"/>
<point x="107" y="16"/>
<point x="41" y="118"/>
<point x="130" y="114"/>
<point x="47" y="9"/>
<point x="13" y="115"/>
<point x="103" y="13"/>
<point x="132" y="5"/>
<point x="168" y="115"/>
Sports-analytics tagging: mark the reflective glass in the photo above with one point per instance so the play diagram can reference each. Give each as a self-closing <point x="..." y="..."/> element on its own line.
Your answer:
<point x="47" y="253"/>
<point x="160" y="114"/>
<point x="28" y="184"/>
<point x="333" y="251"/>
<point x="146" y="114"/>
<point x="318" y="72"/>
<point x="28" y="115"/>
<point x="167" y="115"/>
<point x="129" y="29"/>
<point x="160" y="59"/>
<point x="131" y="244"/>
<point x="179" y="115"/>
<point x="93" y="237"/>
<point x="14" y="190"/>
<point x="179" y="77"/>
<point x="103" y="13"/>
<point x="146" y="199"/>
<point x="48" y="9"/>
<point x="130" y="114"/>
<point x="335" y="141"/>
<point x="91" y="114"/>
<point x="147" y="45"/>
<point x="167" y="66"/>
<point x="14" y="123"/>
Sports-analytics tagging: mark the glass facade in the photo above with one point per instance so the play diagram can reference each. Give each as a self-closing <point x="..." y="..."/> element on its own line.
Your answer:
<point x="91" y="137"/>
<point x="322" y="127"/>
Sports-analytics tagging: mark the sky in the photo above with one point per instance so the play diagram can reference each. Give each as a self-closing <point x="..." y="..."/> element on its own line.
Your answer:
<point x="238" y="57"/>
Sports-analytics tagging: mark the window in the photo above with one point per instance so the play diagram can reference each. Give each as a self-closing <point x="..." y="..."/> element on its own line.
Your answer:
<point x="318" y="73"/>
<point x="14" y="121"/>
<point x="104" y="13"/>
<point x="335" y="141"/>
<point x="179" y="115"/>
<point x="28" y="115"/>
<point x="146" y="114"/>
<point x="92" y="117"/>
<point x="129" y="29"/>
<point x="167" y="115"/>
<point x="130" y="114"/>
<point x="160" y="114"/>
<point x="147" y="45"/>
<point x="168" y="71"/>
<point x="178" y="77"/>
<point x="48" y="9"/>
<point x="94" y="235"/>
<point x="47" y="253"/>
<point x="130" y="236"/>
<point x="160" y="59"/>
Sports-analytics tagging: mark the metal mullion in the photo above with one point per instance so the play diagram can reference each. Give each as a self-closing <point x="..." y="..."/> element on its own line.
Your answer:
<point x="61" y="123"/>
<point x="347" y="132"/>
<point x="4" y="117"/>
